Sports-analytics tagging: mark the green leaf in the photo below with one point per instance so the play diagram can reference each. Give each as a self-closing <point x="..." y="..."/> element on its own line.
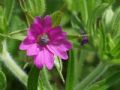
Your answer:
<point x="94" y="26"/>
<point x="18" y="37"/>
<point x="76" y="22"/>
<point x="106" y="83"/>
<point x="73" y="5"/>
<point x="83" y="10"/>
<point x="2" y="81"/>
<point x="115" y="61"/>
<point x="41" y="86"/>
<point x="70" y="72"/>
<point x="108" y="16"/>
<point x="97" y="13"/>
<point x="1" y="45"/>
<point x="91" y="4"/>
<point x="102" y="48"/>
<point x="116" y="50"/>
<point x="2" y="21"/>
<point x="45" y="78"/>
<point x="92" y="77"/>
<point x="79" y="64"/>
<point x="34" y="7"/>
<point x="8" y="9"/>
<point x="115" y="25"/>
<point x="17" y="24"/>
<point x="33" y="79"/>
<point x="40" y="7"/>
<point x="56" y="18"/>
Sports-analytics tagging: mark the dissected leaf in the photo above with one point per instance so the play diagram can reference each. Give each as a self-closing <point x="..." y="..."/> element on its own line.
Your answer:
<point x="56" y="18"/>
<point x="34" y="7"/>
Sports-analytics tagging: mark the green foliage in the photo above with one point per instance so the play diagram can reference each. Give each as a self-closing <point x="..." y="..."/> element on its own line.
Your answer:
<point x="40" y="86"/>
<point x="33" y="79"/>
<point x="96" y="30"/>
<point x="45" y="78"/>
<point x="70" y="76"/>
<point x="1" y="44"/>
<point x="76" y="22"/>
<point x="56" y="18"/>
<point x="73" y="5"/>
<point x="2" y="21"/>
<point x="88" y="67"/>
<point x="34" y="7"/>
<point x="8" y="10"/>
<point x="106" y="83"/>
<point x="2" y="81"/>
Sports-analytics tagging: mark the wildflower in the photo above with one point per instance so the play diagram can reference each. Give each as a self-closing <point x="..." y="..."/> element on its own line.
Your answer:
<point x="43" y="42"/>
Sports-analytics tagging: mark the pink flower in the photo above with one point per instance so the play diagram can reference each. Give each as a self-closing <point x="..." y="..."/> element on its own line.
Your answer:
<point x="43" y="42"/>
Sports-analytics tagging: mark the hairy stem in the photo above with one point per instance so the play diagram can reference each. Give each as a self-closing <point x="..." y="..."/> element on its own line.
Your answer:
<point x="12" y="66"/>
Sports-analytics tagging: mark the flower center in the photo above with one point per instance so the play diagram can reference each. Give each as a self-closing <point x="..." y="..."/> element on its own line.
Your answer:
<point x="43" y="39"/>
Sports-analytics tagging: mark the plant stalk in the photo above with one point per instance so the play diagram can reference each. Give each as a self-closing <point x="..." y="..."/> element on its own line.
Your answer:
<point x="12" y="66"/>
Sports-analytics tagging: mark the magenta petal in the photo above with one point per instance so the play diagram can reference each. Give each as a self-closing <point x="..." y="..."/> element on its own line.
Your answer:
<point x="33" y="50"/>
<point x="49" y="59"/>
<point x="47" y="21"/>
<point x="66" y="45"/>
<point x="58" y="51"/>
<point x="27" y="42"/>
<point x="58" y="38"/>
<point x="36" y="27"/>
<point x="55" y="31"/>
<point x="39" y="59"/>
<point x="56" y="34"/>
<point x="44" y="58"/>
<point x="38" y="21"/>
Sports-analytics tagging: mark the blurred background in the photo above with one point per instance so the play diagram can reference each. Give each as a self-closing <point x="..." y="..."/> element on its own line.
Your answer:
<point x="74" y="22"/>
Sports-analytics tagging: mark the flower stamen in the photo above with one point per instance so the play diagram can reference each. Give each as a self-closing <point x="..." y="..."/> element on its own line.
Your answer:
<point x="43" y="39"/>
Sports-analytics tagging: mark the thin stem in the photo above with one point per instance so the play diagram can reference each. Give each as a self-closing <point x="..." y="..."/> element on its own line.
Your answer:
<point x="23" y="7"/>
<point x="12" y="66"/>
<point x="6" y="36"/>
<point x="45" y="79"/>
<point x="11" y="10"/>
<point x="92" y="77"/>
<point x="77" y="36"/>
<point x="16" y="32"/>
<point x="25" y="10"/>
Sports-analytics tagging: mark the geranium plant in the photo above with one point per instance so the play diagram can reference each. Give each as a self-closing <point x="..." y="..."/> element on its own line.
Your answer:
<point x="59" y="45"/>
